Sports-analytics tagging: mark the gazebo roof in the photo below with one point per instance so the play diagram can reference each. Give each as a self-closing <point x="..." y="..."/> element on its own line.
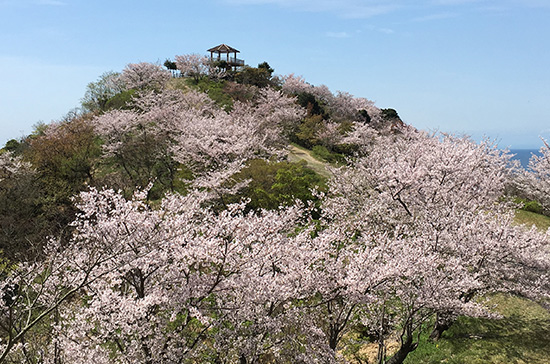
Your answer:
<point x="223" y="48"/>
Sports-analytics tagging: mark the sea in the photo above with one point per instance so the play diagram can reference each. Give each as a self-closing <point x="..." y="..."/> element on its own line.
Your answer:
<point x="523" y="155"/>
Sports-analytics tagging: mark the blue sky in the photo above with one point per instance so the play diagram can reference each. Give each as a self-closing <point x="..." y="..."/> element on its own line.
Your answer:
<point x="476" y="67"/>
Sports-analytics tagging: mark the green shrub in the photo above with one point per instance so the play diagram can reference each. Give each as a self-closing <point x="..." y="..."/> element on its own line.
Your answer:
<point x="529" y="205"/>
<point x="120" y="101"/>
<point x="389" y="114"/>
<point x="308" y="130"/>
<point x="310" y="103"/>
<point x="259" y="77"/>
<point x="274" y="184"/>
<point x="324" y="154"/>
<point x="533" y="206"/>
<point x="14" y="146"/>
<point x="239" y="92"/>
<point x="215" y="90"/>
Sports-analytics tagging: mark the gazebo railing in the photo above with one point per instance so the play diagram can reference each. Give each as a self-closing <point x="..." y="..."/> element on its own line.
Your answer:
<point x="231" y="60"/>
<point x="236" y="61"/>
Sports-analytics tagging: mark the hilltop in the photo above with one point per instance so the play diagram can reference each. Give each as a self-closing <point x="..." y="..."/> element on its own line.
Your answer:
<point x="205" y="212"/>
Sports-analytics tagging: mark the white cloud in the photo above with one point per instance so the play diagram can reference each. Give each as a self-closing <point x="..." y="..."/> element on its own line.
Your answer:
<point x="361" y="9"/>
<point x="344" y="8"/>
<point x="381" y="29"/>
<point x="385" y="30"/>
<point x="436" y="16"/>
<point x="337" y="34"/>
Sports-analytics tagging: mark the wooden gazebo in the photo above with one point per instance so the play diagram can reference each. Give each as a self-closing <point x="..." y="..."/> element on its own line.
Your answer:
<point x="216" y="55"/>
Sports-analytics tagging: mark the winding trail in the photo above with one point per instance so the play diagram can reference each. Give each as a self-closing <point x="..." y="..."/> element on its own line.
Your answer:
<point x="297" y="154"/>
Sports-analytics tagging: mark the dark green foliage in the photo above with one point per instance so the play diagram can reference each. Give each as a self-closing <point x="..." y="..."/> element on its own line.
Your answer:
<point x="273" y="184"/>
<point x="267" y="67"/>
<point x="533" y="206"/>
<point x="364" y="116"/>
<point x="389" y="114"/>
<point x="17" y="147"/>
<point x="259" y="77"/>
<point x="171" y="65"/>
<point x="143" y="158"/>
<point x="391" y="117"/>
<point x="23" y="219"/>
<point x="12" y="145"/>
<point x="345" y="149"/>
<point x="215" y="89"/>
<point x="529" y="205"/>
<point x="321" y="152"/>
<point x="310" y="103"/>
<point x="223" y="65"/>
<point x="121" y="101"/>
<point x="307" y="133"/>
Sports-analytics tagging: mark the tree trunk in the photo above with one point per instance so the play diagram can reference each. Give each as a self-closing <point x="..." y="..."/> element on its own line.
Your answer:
<point x="407" y="347"/>
<point x="334" y="334"/>
<point x="381" y="355"/>
<point x="443" y="322"/>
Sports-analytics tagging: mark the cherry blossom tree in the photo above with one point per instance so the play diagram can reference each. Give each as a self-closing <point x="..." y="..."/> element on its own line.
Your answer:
<point x="194" y="66"/>
<point x="293" y="85"/>
<point x="533" y="182"/>
<point x="411" y="229"/>
<point x="175" y="283"/>
<point x="32" y="294"/>
<point x="342" y="106"/>
<point x="174" y="128"/>
<point x="336" y="121"/>
<point x="144" y="75"/>
<point x="407" y="232"/>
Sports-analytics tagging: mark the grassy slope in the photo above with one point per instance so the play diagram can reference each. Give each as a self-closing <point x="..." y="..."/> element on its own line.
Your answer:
<point x="530" y="218"/>
<point x="522" y="336"/>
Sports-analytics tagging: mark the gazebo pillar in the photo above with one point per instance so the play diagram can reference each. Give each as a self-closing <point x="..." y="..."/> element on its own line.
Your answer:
<point x="227" y="50"/>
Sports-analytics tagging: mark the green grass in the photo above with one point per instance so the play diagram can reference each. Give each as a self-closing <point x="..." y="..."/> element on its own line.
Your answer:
<point x="521" y="336"/>
<point x="530" y="218"/>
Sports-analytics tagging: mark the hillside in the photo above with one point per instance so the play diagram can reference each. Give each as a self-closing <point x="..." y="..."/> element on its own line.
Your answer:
<point x="189" y="216"/>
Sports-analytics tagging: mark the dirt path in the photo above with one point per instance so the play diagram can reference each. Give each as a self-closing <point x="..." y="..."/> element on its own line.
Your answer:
<point x="297" y="154"/>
